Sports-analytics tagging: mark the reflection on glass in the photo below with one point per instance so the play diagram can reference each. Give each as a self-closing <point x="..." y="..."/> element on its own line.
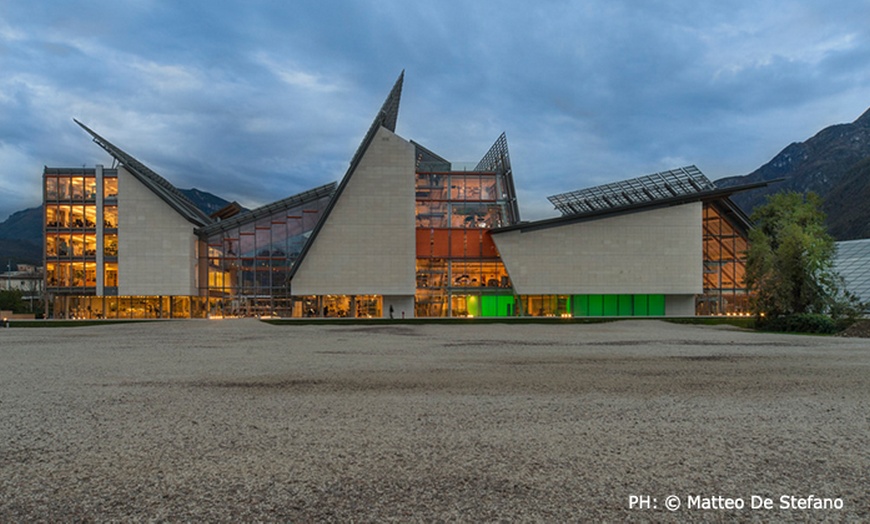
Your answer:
<point x="63" y="189"/>
<point x="51" y="188"/>
<point x="90" y="188"/>
<point x="77" y="245"/>
<point x="77" y="187"/>
<point x="51" y="245"/>
<point x="91" y="217"/>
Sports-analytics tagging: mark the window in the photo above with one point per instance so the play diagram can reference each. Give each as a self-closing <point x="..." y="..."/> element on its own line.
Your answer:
<point x="110" y="245"/>
<point x="110" y="188"/>
<point x="111" y="274"/>
<point x="110" y="217"/>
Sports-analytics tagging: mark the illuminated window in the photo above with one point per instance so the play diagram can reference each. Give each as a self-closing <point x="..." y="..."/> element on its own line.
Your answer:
<point x="724" y="266"/>
<point x="77" y="188"/>
<point x="110" y="245"/>
<point x="110" y="274"/>
<point x="51" y="188"/>
<point x="110" y="188"/>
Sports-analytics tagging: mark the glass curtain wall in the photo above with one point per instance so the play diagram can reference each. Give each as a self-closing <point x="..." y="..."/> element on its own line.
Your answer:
<point x="249" y="262"/>
<point x="130" y="307"/>
<point x="73" y="234"/>
<point x="725" y="247"/>
<point x="459" y="271"/>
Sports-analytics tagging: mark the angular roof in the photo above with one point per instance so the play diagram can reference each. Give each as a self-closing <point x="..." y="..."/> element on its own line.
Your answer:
<point x="710" y="195"/>
<point x="387" y="117"/>
<point x="428" y="160"/>
<point x="305" y="197"/>
<point x="853" y="264"/>
<point x="658" y="186"/>
<point x="498" y="159"/>
<point x="156" y="183"/>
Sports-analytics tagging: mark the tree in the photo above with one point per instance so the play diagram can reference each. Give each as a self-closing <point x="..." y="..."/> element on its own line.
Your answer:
<point x="12" y="300"/>
<point x="790" y="263"/>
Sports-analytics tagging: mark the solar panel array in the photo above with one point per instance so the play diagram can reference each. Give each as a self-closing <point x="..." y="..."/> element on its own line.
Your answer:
<point x="853" y="264"/>
<point x="659" y="186"/>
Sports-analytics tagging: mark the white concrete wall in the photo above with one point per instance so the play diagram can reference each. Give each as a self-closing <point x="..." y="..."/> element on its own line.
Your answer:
<point x="156" y="245"/>
<point x="656" y="251"/>
<point x="680" y="305"/>
<point x="401" y="304"/>
<point x="367" y="245"/>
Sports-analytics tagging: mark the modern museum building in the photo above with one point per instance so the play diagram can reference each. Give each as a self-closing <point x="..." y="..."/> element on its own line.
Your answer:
<point x="405" y="233"/>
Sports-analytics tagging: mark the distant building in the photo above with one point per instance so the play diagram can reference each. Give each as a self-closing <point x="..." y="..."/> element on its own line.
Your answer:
<point x="27" y="278"/>
<point x="853" y="264"/>
<point x="405" y="233"/>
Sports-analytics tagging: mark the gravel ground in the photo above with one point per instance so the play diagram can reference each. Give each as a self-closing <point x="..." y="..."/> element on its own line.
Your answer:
<point x="239" y="420"/>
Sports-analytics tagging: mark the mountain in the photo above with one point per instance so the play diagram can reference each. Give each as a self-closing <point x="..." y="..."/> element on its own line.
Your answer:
<point x="23" y="225"/>
<point x="17" y="251"/>
<point x="207" y="202"/>
<point x="833" y="163"/>
<point x="21" y="233"/>
<point x="847" y="204"/>
<point x="21" y="238"/>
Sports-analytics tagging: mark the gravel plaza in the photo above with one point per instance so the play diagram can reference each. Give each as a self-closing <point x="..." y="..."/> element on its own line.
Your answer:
<point x="241" y="420"/>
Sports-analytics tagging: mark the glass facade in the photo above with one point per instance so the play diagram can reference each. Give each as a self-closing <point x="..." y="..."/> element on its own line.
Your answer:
<point x="131" y="307"/>
<point x="725" y="247"/>
<point x="458" y="266"/>
<point x="244" y="259"/>
<point x="81" y="239"/>
<point x="81" y="236"/>
<point x="248" y="258"/>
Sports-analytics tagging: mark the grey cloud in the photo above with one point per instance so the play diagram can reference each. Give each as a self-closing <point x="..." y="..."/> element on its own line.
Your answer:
<point x="257" y="101"/>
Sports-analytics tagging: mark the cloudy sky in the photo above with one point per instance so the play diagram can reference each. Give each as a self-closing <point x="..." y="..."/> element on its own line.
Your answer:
<point x="255" y="100"/>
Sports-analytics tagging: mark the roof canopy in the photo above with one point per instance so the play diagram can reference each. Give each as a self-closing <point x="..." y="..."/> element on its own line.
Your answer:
<point x="658" y="186"/>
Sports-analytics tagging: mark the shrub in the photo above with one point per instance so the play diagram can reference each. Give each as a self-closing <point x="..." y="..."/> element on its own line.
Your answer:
<point x="800" y="323"/>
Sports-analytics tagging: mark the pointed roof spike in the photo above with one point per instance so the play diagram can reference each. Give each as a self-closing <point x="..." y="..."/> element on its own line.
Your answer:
<point x="390" y="109"/>
<point x="386" y="117"/>
<point x="498" y="159"/>
<point x="497" y="156"/>
<point x="156" y="183"/>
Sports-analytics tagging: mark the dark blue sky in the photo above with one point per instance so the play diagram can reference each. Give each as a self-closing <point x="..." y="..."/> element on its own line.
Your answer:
<point x="258" y="100"/>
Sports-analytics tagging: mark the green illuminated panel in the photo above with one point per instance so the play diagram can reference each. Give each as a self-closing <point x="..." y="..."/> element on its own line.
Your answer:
<point x="581" y="305"/>
<point x="619" y="305"/>
<point x="611" y="305"/>
<point x="596" y="305"/>
<point x="624" y="305"/>
<point x="505" y="305"/>
<point x="657" y="305"/>
<point x="641" y="305"/>
<point x="496" y="305"/>
<point x="472" y="303"/>
<point x="489" y="306"/>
